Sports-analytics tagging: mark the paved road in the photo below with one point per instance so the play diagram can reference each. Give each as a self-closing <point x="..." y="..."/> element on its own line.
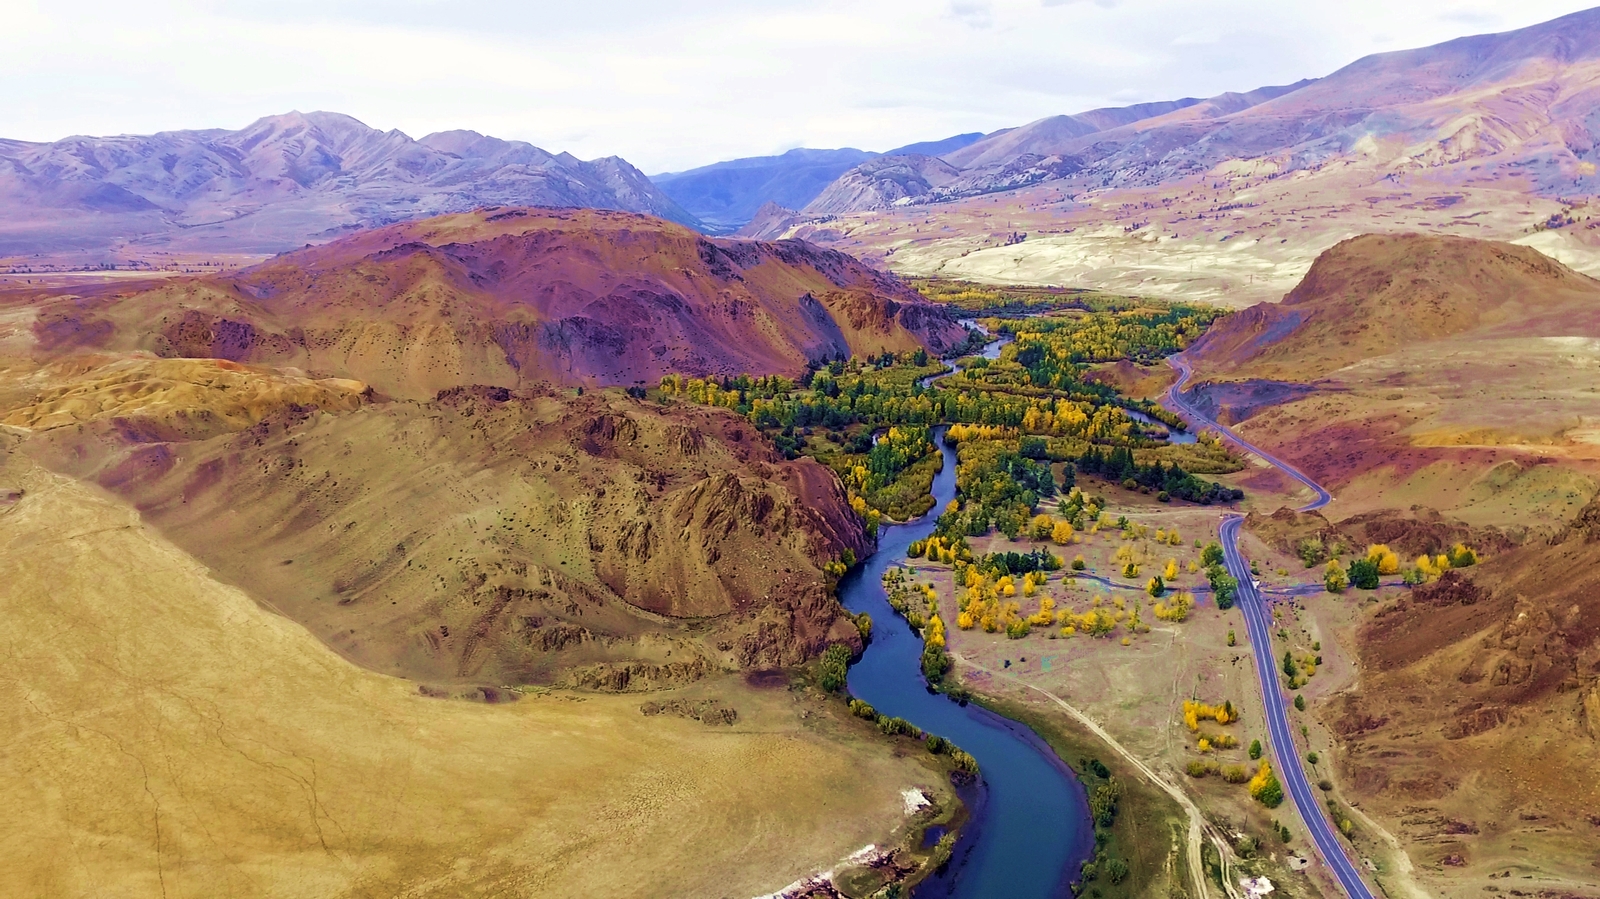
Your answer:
<point x="1258" y="619"/>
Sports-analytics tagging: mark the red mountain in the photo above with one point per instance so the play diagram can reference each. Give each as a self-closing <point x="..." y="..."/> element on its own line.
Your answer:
<point x="509" y="296"/>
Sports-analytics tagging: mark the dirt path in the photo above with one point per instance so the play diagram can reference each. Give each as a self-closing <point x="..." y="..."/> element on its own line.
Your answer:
<point x="1198" y="829"/>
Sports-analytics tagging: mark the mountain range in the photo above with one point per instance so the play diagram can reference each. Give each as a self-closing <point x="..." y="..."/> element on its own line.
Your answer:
<point x="282" y="182"/>
<point x="726" y="195"/>
<point x="1515" y="106"/>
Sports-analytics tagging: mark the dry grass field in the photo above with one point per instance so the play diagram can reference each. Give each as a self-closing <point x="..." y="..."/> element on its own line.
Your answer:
<point x="167" y="736"/>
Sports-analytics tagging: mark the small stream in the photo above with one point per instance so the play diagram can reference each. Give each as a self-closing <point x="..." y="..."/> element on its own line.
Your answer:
<point x="1030" y="827"/>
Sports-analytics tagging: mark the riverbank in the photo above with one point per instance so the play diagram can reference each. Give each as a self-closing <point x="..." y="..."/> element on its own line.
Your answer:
<point x="1149" y="830"/>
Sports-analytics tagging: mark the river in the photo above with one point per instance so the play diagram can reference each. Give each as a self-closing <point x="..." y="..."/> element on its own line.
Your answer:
<point x="1030" y="828"/>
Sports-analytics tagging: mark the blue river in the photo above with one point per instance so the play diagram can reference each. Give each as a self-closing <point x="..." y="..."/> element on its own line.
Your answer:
<point x="1030" y="829"/>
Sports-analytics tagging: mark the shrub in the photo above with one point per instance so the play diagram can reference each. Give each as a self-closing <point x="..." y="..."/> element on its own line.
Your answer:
<point x="898" y="727"/>
<point x="1211" y="555"/>
<point x="935" y="662"/>
<point x="864" y="625"/>
<point x="1116" y="870"/>
<point x="963" y="761"/>
<point x="1078" y="564"/>
<point x="1334" y="579"/>
<point x="1364" y="574"/>
<point x="1235" y="774"/>
<point x="862" y="710"/>
<point x="1299" y="702"/>
<point x="1103" y="802"/>
<point x="1312" y="757"/>
<point x="1196" y="768"/>
<point x="937" y="744"/>
<point x="1265" y="788"/>
<point x="1224" y="587"/>
<point x="1255" y="749"/>
<point x="835" y="669"/>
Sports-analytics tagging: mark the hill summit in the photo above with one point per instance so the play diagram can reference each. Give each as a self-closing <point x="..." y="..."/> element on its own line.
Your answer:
<point x="511" y="296"/>
<point x="1370" y="295"/>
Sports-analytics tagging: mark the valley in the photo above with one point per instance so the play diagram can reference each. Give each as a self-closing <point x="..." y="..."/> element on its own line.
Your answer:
<point x="1187" y="499"/>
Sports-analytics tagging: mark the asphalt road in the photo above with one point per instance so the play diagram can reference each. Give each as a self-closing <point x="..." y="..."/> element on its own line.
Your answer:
<point x="1258" y="620"/>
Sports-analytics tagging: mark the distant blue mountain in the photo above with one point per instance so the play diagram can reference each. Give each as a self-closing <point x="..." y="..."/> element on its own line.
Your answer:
<point x="725" y="195"/>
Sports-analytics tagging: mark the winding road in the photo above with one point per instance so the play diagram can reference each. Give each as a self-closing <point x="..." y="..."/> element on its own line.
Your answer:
<point x="1258" y="619"/>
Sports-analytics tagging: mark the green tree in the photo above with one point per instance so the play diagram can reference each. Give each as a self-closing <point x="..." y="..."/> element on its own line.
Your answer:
<point x="1211" y="555"/>
<point x="1255" y="749"/>
<point x="1289" y="667"/>
<point x="1116" y="870"/>
<point x="835" y="668"/>
<point x="1299" y="702"/>
<point x="1224" y="587"/>
<point x="1103" y="802"/>
<point x="1364" y="574"/>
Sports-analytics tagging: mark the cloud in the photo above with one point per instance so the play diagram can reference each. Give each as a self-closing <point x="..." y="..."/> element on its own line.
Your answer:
<point x="670" y="86"/>
<point x="974" y="13"/>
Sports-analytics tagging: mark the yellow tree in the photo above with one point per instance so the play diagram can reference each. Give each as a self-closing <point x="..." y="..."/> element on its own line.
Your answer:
<point x="1061" y="534"/>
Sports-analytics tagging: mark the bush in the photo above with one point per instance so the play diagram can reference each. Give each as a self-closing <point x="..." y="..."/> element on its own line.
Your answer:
<point x="898" y="727"/>
<point x="1103" y="802"/>
<point x="935" y="662"/>
<point x="1364" y="574"/>
<point x="862" y="710"/>
<point x="1211" y="555"/>
<point x="1312" y="757"/>
<point x="835" y="668"/>
<point x="963" y="761"/>
<point x="864" y="625"/>
<point x="1299" y="702"/>
<point x="1235" y="774"/>
<point x="1196" y="768"/>
<point x="1334" y="580"/>
<point x="1224" y="587"/>
<point x="1078" y="564"/>
<point x="1255" y="749"/>
<point x="937" y="744"/>
<point x="1116" y="870"/>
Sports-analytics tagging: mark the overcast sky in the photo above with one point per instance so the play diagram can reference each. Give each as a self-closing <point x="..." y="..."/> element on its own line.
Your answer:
<point x="671" y="85"/>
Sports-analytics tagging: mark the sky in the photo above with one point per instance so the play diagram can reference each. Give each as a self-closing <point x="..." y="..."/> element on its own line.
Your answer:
<point x="671" y="85"/>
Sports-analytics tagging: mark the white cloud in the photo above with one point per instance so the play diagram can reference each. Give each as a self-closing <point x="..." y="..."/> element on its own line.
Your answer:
<point x="670" y="85"/>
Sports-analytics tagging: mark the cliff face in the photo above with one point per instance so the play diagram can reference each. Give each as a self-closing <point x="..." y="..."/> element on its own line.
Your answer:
<point x="510" y="297"/>
<point x="495" y="536"/>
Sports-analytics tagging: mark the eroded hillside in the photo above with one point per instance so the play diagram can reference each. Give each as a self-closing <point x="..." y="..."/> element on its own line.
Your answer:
<point x="487" y="535"/>
<point x="1412" y="370"/>
<point x="1475" y="727"/>
<point x="510" y="297"/>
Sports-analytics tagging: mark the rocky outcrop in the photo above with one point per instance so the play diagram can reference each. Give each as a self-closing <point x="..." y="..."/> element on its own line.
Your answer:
<point x="503" y="536"/>
<point x="1591" y="711"/>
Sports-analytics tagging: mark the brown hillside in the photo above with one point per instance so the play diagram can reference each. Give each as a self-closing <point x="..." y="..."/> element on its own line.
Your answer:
<point x="488" y="535"/>
<point x="508" y="297"/>
<point x="1477" y="720"/>
<point x="1371" y="295"/>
